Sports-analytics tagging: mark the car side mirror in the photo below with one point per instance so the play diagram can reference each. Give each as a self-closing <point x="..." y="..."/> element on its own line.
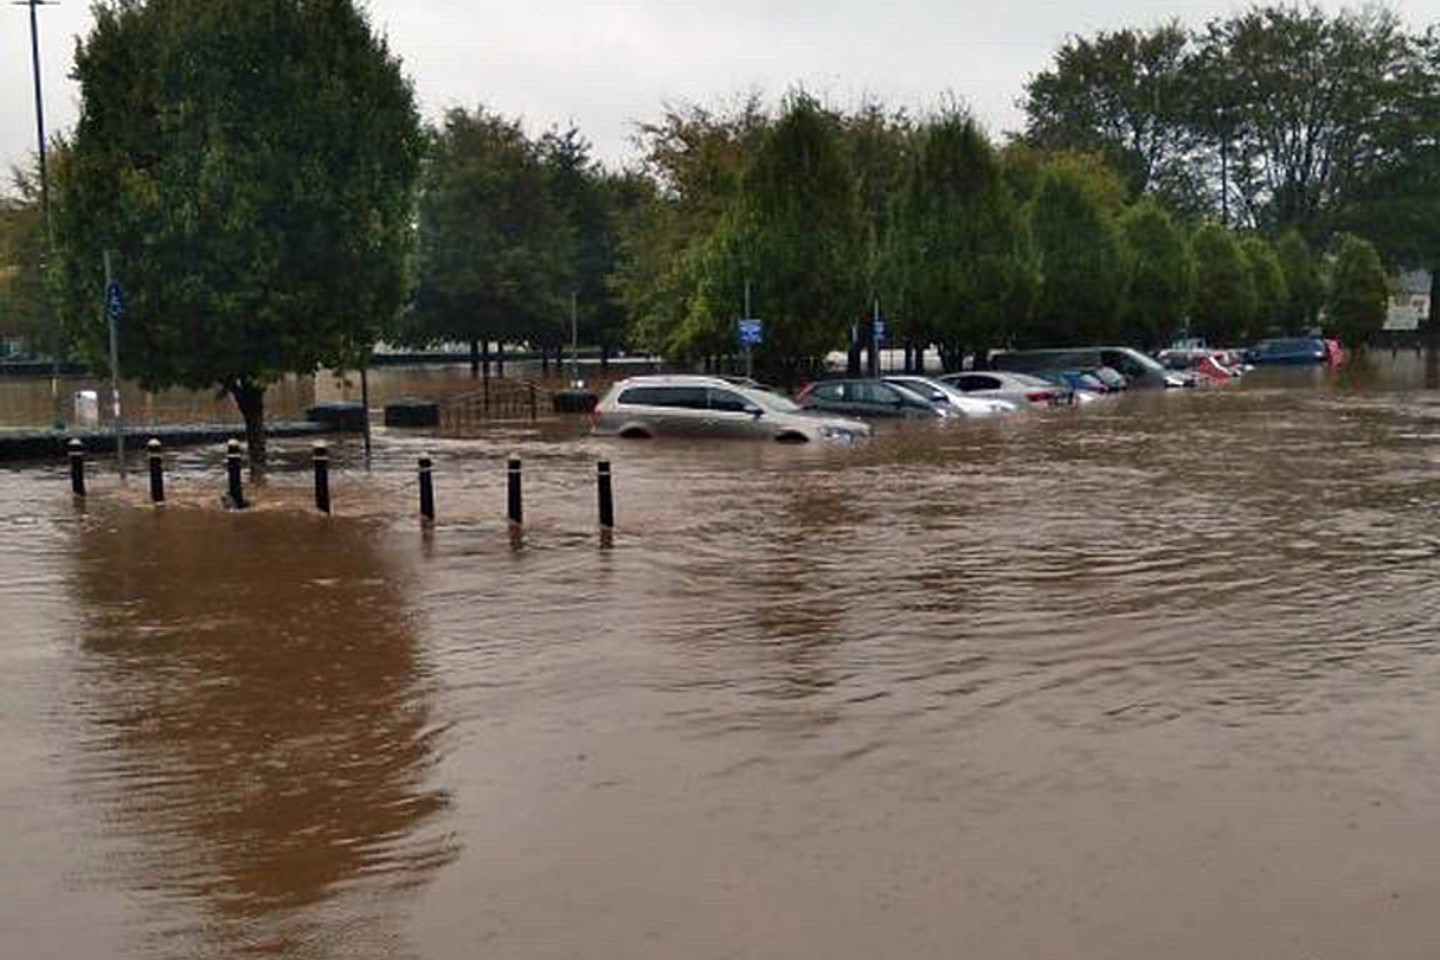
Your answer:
<point x="754" y="411"/>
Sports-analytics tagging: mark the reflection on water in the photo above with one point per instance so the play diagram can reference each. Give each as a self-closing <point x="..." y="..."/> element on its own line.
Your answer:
<point x="1155" y="678"/>
<point x="258" y="719"/>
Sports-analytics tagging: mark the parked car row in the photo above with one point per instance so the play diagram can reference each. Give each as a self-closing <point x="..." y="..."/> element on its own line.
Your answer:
<point x="839" y="409"/>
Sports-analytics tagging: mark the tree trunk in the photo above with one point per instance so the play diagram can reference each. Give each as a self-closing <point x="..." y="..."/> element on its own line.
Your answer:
<point x="604" y="358"/>
<point x="250" y="398"/>
<point x="500" y="359"/>
<point x="474" y="359"/>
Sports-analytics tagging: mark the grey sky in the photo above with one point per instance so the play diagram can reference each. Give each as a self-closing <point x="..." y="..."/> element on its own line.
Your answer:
<point x="607" y="65"/>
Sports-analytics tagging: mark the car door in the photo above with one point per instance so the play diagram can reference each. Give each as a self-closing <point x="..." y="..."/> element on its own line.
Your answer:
<point x="732" y="415"/>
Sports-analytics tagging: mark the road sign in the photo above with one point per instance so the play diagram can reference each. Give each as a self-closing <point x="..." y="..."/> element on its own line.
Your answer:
<point x="114" y="302"/>
<point x="749" y="332"/>
<point x="879" y="330"/>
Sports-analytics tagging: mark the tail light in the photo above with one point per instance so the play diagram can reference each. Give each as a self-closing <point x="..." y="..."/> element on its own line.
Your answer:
<point x="1040" y="396"/>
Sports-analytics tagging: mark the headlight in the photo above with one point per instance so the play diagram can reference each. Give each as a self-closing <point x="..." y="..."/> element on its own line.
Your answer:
<point x="832" y="432"/>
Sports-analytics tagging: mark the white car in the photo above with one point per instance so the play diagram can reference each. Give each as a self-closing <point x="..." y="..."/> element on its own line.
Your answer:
<point x="948" y="396"/>
<point x="691" y="405"/>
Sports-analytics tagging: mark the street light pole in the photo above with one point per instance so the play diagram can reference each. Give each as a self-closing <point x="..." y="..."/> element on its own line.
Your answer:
<point x="44" y="201"/>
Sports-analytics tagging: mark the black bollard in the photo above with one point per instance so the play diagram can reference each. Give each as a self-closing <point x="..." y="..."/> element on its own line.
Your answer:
<point x="157" y="471"/>
<point x="607" y="499"/>
<point x="516" y="511"/>
<point x="77" y="467"/>
<point x="322" y="477"/>
<point x="232" y="469"/>
<point x="427" y="491"/>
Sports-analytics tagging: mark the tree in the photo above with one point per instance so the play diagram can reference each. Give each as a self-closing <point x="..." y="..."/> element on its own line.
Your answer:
<point x="22" y="255"/>
<point x="250" y="165"/>
<point x="1304" y="98"/>
<point x="587" y="199"/>
<point x="1267" y="281"/>
<point x="495" y="254"/>
<point x="1162" y="276"/>
<point x="1120" y="95"/>
<point x="1080" y="259"/>
<point x="1224" y="293"/>
<point x="1303" y="290"/>
<point x="1356" y="306"/>
<point x="694" y="161"/>
<point x="795" y="235"/>
<point x="956" y="259"/>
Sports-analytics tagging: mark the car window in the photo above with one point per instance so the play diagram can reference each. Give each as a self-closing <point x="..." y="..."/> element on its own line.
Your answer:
<point x="829" y="391"/>
<point x="689" y="398"/>
<point x="727" y="400"/>
<point x="978" y="381"/>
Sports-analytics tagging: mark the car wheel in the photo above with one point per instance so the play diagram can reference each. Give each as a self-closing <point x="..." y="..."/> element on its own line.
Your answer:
<point x="791" y="438"/>
<point x="635" y="433"/>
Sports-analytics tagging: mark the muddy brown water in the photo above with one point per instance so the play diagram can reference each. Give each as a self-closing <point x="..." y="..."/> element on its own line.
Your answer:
<point x="1157" y="679"/>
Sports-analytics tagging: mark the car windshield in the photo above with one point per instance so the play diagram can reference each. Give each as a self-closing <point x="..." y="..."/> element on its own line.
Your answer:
<point x="767" y="400"/>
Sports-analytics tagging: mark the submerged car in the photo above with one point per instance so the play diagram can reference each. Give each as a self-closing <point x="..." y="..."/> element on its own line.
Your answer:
<point x="945" y="395"/>
<point x="868" y="397"/>
<point x="1019" y="388"/>
<point x="692" y="405"/>
<point x="1288" y="351"/>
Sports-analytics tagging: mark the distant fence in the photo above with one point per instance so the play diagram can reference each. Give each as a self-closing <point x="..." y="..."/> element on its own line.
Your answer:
<point x="497" y="399"/>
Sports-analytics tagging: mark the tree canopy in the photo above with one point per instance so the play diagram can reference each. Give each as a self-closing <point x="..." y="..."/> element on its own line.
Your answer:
<point x="250" y="165"/>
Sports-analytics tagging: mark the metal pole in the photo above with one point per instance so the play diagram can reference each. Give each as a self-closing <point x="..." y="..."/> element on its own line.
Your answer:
<point x="77" y="467"/>
<point x="365" y="404"/>
<point x="574" y="344"/>
<point x="427" y="491"/>
<point x="322" y="477"/>
<point x="607" y="497"/>
<point x="157" y="471"/>
<point x="114" y="322"/>
<point x="232" y="470"/>
<point x="749" y="360"/>
<point x="515" y="511"/>
<point x="44" y="206"/>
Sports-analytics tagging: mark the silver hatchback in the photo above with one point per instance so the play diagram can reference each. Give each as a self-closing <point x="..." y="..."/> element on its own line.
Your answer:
<point x="701" y="406"/>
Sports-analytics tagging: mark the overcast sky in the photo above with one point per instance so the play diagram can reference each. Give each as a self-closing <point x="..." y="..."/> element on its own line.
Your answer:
<point x="606" y="66"/>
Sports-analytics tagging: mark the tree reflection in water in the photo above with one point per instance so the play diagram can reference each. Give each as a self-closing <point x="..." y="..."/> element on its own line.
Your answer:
<point x="262" y="732"/>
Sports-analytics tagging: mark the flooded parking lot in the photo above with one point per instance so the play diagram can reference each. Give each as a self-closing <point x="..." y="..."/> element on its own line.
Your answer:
<point x="1153" y="678"/>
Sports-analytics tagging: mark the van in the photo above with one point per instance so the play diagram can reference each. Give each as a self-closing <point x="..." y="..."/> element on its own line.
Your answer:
<point x="1140" y="370"/>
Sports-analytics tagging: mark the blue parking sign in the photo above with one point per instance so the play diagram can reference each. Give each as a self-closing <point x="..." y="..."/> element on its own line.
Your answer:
<point x="879" y="330"/>
<point x="749" y="331"/>
<point x="114" y="302"/>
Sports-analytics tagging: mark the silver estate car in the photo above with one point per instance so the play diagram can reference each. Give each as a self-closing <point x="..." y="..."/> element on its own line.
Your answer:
<point x="701" y="406"/>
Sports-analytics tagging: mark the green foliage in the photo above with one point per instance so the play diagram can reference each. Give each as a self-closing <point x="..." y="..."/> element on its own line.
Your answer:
<point x="796" y="233"/>
<point x="495" y="252"/>
<point x="1122" y="96"/>
<point x="1224" y="292"/>
<point x="1267" y="280"/>
<point x="250" y="163"/>
<point x="1303" y="290"/>
<point x="694" y="162"/>
<point x="1162" y="276"/>
<point x="22" y="258"/>
<point x="1356" y="306"/>
<point x="956" y="260"/>
<point x="1080" y="259"/>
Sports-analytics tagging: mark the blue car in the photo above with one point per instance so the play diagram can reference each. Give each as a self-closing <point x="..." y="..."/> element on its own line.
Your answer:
<point x="1287" y="351"/>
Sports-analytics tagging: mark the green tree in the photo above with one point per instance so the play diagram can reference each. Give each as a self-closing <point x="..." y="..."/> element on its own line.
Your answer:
<point x="693" y="164"/>
<point x="1224" y="293"/>
<point x="1303" y="290"/>
<point x="22" y="256"/>
<point x="1356" y="305"/>
<point x="795" y="235"/>
<point x="496" y="256"/>
<point x="957" y="255"/>
<point x="1267" y="280"/>
<point x="1162" y="276"/>
<point x="1122" y="95"/>
<point x="1080" y="259"/>
<point x="250" y="164"/>
<point x="1304" y="98"/>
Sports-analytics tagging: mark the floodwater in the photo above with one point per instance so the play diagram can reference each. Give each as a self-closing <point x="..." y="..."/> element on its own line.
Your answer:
<point x="1160" y="678"/>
